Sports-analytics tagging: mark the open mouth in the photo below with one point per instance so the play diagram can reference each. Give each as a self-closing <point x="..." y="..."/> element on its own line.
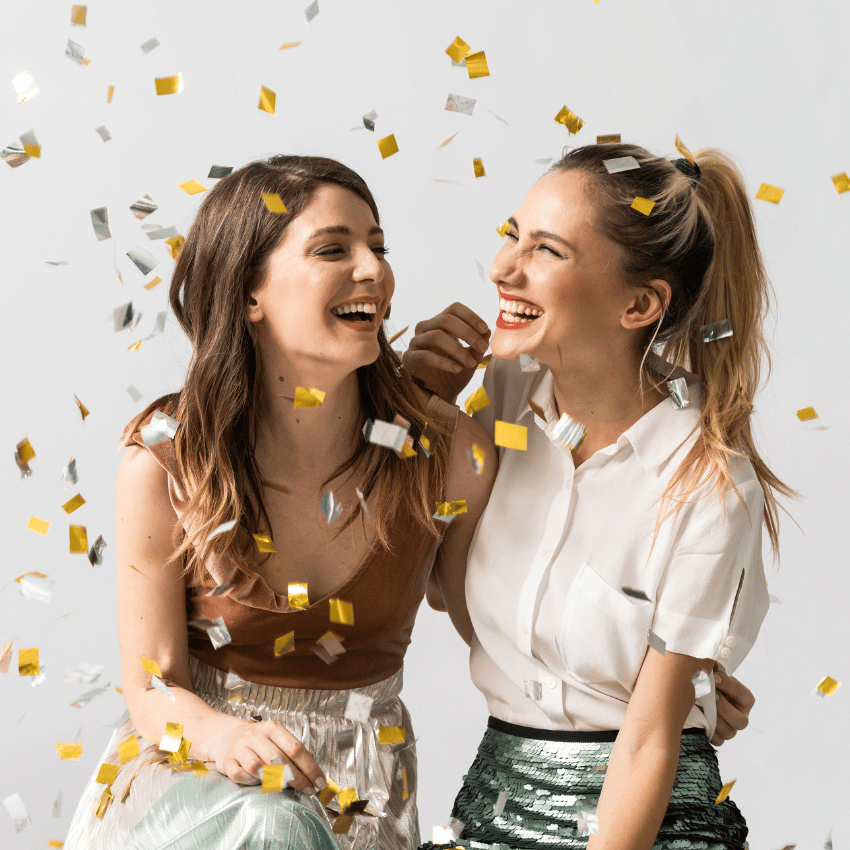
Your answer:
<point x="356" y="313"/>
<point x="517" y="313"/>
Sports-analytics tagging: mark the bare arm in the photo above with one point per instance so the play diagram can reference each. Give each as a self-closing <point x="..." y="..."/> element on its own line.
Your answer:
<point x="152" y="623"/>
<point x="643" y="763"/>
<point x="449" y="573"/>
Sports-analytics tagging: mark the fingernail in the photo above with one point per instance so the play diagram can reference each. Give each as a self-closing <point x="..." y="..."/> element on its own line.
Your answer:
<point x="717" y="678"/>
<point x="716" y="697"/>
<point x="470" y="360"/>
<point x="320" y="784"/>
<point x="309" y="789"/>
<point x="481" y="345"/>
<point x="482" y="327"/>
<point x="456" y="367"/>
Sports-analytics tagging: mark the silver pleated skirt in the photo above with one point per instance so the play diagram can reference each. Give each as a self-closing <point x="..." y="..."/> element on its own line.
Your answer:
<point x="154" y="806"/>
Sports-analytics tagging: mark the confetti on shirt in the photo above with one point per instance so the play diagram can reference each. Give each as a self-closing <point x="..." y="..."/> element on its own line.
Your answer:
<point x="162" y="427"/>
<point x="387" y="146"/>
<point x="655" y="642"/>
<point x="458" y="50"/>
<point x="392" y="735"/>
<point x="170" y="741"/>
<point x="264" y="543"/>
<point x="635" y="594"/>
<point x="128" y="749"/>
<point x="308" y="397"/>
<point x="643" y="205"/>
<point x="283" y="644"/>
<point x="715" y="331"/>
<point x="107" y="774"/>
<point x="528" y="364"/>
<point x="477" y="401"/>
<point x="358" y="707"/>
<point x="476" y="65"/>
<point x="341" y="612"/>
<point x="680" y="395"/>
<point x="510" y="436"/>
<point x="569" y="119"/>
<point x="297" y="593"/>
<point x="568" y="433"/>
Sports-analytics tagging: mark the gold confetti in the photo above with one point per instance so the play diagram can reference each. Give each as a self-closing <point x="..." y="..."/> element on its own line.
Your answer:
<point x="325" y="796"/>
<point x="173" y="245"/>
<point x="346" y="797"/>
<point x="274" y="203"/>
<point x="684" y="150"/>
<point x="25" y="450"/>
<point x="150" y="666"/>
<point x="511" y="436"/>
<point x="135" y="346"/>
<point x="72" y="504"/>
<point x="451" y="508"/>
<point x="69" y="752"/>
<point x="283" y="644"/>
<point x="395" y="336"/>
<point x="78" y="15"/>
<point x="477" y="457"/>
<point x="192" y="187"/>
<point x="28" y="662"/>
<point x="169" y="85"/>
<point x="153" y="283"/>
<point x="109" y="92"/>
<point x="504" y="228"/>
<point x="477" y="401"/>
<point x="107" y="774"/>
<point x="297" y="591"/>
<point x="264" y="543"/>
<point x="117" y="689"/>
<point x="199" y="767"/>
<point x="391" y="735"/>
<point x="308" y="397"/>
<point x="405" y="792"/>
<point x="84" y="411"/>
<point x="457" y="50"/>
<point x="611" y="139"/>
<point x="55" y="843"/>
<point x="289" y="44"/>
<point x="79" y="540"/>
<point x="342" y="612"/>
<point x="478" y="166"/>
<point x="842" y="182"/>
<point x="103" y="803"/>
<point x="42" y="526"/>
<point x="806" y="413"/>
<point x="181" y="754"/>
<point x="388" y="145"/>
<point x="828" y="686"/>
<point x="724" y="792"/>
<point x="770" y="193"/>
<point x="5" y="658"/>
<point x="569" y="119"/>
<point x="267" y="100"/>
<point x="33" y="151"/>
<point x="272" y="778"/>
<point x="476" y="65"/>
<point x="643" y="205"/>
<point x="170" y="741"/>
<point x="484" y="361"/>
<point x="342" y="824"/>
<point x="128" y="749"/>
<point x="443" y="144"/>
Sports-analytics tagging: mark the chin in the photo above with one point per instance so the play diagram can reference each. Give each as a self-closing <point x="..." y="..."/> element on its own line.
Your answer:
<point x="506" y="347"/>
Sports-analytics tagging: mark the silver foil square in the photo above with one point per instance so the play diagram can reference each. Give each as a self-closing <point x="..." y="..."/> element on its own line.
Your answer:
<point x="103" y="133"/>
<point x="369" y="120"/>
<point x="100" y="223"/>
<point x="219" y="171"/>
<point x="458" y="103"/>
<point x="620" y="163"/>
<point x="144" y="261"/>
<point x="143" y="207"/>
<point x="311" y="11"/>
<point x="533" y="690"/>
<point x="149" y="45"/>
<point x="679" y="393"/>
<point x="719" y="330"/>
<point x="75" y="51"/>
<point x="568" y="433"/>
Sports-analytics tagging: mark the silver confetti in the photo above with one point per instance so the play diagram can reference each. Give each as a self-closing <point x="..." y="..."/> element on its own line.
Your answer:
<point x="482" y="273"/>
<point x="533" y="690"/>
<point x="474" y="462"/>
<point x="159" y="324"/>
<point x="144" y="261"/>
<point x="587" y="822"/>
<point x="103" y="133"/>
<point x="311" y="11"/>
<point x="568" y="433"/>
<point x="100" y="223"/>
<point x="362" y="499"/>
<point x="702" y="684"/>
<point x="345" y="739"/>
<point x="57" y="263"/>
<point x="775" y="600"/>
<point x="620" y="163"/>
<point x="219" y="171"/>
<point x="69" y="474"/>
<point x="679" y="393"/>
<point x="719" y="330"/>
<point x="149" y="45"/>
<point x="37" y="680"/>
<point x="75" y="51"/>
<point x="635" y="594"/>
<point x="358" y="707"/>
<point x="528" y="364"/>
<point x="23" y="467"/>
<point x="220" y="589"/>
<point x="225" y="526"/>
<point x="385" y="434"/>
<point x="123" y="316"/>
<point x="656" y="642"/>
<point x="163" y="233"/>
<point x="57" y="806"/>
<point x="134" y="393"/>
<point x="18" y="811"/>
<point x="458" y="103"/>
<point x="499" y="805"/>
<point x="544" y="161"/>
<point x="14" y="155"/>
<point x="218" y="633"/>
<point x="499" y="117"/>
<point x="83" y="672"/>
<point x="37" y="588"/>
<point x="88" y="696"/>
<point x="143" y="207"/>
<point x="331" y="508"/>
<point x="162" y="688"/>
<point x="827" y="845"/>
<point x="369" y="120"/>
<point x="162" y="427"/>
<point x="96" y="552"/>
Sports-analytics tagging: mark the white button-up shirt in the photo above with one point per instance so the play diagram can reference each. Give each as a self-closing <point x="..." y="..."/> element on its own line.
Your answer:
<point x="557" y="643"/>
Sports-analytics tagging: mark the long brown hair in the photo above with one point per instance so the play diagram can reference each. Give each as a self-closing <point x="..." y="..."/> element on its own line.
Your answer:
<point x="224" y="258"/>
<point x="700" y="237"/>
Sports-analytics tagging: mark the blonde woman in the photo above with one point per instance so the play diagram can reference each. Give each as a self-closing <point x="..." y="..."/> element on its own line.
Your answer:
<point x="608" y="576"/>
<point x="261" y="511"/>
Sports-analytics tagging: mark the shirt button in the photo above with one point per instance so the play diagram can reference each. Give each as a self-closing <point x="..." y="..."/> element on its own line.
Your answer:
<point x="551" y="682"/>
<point x="725" y="652"/>
<point x="524" y="628"/>
<point x="730" y="641"/>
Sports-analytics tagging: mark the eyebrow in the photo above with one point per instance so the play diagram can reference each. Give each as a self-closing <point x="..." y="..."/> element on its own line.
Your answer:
<point x="545" y="234"/>
<point x="343" y="230"/>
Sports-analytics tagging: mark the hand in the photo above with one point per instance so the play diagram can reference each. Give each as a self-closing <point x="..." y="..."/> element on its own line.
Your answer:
<point x="243" y="751"/>
<point x="437" y="357"/>
<point x="734" y="703"/>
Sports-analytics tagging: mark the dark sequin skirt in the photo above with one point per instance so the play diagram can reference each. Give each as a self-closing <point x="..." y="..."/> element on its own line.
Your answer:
<point x="550" y="778"/>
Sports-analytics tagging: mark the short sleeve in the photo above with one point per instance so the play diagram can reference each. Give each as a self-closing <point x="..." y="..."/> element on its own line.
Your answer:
<point x="712" y="597"/>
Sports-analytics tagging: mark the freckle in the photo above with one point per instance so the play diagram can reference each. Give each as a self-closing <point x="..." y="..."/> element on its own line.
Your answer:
<point x="298" y="421"/>
<point x="280" y="377"/>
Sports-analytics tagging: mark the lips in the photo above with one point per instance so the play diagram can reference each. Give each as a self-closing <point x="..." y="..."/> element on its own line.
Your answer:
<point x="515" y="313"/>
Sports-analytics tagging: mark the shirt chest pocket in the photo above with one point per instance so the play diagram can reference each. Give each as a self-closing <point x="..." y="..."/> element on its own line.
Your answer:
<point x="602" y="637"/>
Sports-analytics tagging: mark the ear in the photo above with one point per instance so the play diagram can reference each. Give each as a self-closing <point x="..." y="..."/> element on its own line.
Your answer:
<point x="254" y="310"/>
<point x="648" y="306"/>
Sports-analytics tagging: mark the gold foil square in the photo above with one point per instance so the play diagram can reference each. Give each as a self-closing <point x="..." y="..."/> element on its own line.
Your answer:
<point x="724" y="792"/>
<point x="274" y="203"/>
<point x="173" y="245"/>
<point x="109" y="92"/>
<point x="267" y="100"/>
<point x="308" y="397"/>
<point x="828" y="686"/>
<point x="451" y="508"/>
<point x="457" y="50"/>
<point x="477" y="401"/>
<point x="69" y="752"/>
<point x="476" y="65"/>
<point x="511" y="436"/>
<point x="611" y="139"/>
<point x="170" y="741"/>
<point x="341" y="612"/>
<point x="152" y="283"/>
<point x="478" y="166"/>
<point x="25" y="450"/>
<point x="643" y="205"/>
<point x="283" y="644"/>
<point x="28" y="662"/>
<point x="42" y="526"/>
<point x="297" y="592"/>
<point x="842" y="182"/>
<point x="806" y="414"/>
<point x="264" y="543"/>
<point x="151" y="667"/>
<point x="107" y="774"/>
<point x="569" y="119"/>
<point x="342" y="824"/>
<point x="770" y="193"/>
<point x="504" y="228"/>
<point x="128" y="749"/>
<point x="33" y="151"/>
<point x="387" y="146"/>
<point x="192" y="187"/>
<point x="169" y="85"/>
<point x="79" y="540"/>
<point x="72" y="504"/>
<point x="78" y="15"/>
<point x="392" y="735"/>
<point x="103" y="803"/>
<point x="272" y="778"/>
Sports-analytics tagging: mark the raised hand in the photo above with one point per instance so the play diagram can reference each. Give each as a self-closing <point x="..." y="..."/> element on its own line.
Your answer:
<point x="734" y="703"/>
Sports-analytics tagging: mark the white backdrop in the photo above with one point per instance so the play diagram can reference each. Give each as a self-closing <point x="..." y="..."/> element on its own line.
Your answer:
<point x="764" y="79"/>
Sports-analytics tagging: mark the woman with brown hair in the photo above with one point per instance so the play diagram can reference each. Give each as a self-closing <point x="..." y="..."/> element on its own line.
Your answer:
<point x="275" y="528"/>
<point x="619" y="558"/>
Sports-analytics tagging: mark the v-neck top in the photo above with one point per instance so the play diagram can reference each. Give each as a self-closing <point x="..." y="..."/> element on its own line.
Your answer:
<point x="385" y="591"/>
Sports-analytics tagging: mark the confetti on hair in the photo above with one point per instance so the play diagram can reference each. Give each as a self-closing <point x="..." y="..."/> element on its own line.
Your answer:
<point x="620" y="163"/>
<point x="264" y="543"/>
<point x="219" y="171"/>
<point x="770" y="193"/>
<point x="715" y="331"/>
<point x="103" y="803"/>
<point x="476" y="65"/>
<point x="680" y="395"/>
<point x="274" y="203"/>
<point x="221" y="529"/>
<point x="685" y="151"/>
<point x="569" y="119"/>
<point x="458" y="50"/>
<point x="477" y="401"/>
<point x="387" y="146"/>
<point x="643" y="205"/>
<point x="387" y="434"/>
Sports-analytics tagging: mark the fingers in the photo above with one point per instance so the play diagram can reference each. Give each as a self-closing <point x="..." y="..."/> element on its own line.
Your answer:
<point x="304" y="766"/>
<point x="449" y="328"/>
<point x="731" y="716"/>
<point x="736" y="692"/>
<point x="723" y="732"/>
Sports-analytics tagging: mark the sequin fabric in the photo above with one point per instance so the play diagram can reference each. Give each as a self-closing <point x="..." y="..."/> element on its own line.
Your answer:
<point x="549" y="784"/>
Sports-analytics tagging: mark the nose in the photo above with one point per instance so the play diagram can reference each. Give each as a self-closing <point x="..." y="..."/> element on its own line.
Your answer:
<point x="505" y="268"/>
<point x="367" y="266"/>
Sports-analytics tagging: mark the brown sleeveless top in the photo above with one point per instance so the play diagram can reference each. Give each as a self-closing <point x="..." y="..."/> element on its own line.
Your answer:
<point x="385" y="591"/>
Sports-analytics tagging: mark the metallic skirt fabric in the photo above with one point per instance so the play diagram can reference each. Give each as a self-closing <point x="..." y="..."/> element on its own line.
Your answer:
<point x="157" y="807"/>
<point x="550" y="783"/>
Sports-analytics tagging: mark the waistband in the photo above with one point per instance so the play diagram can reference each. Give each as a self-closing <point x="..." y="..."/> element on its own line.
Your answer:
<point x="566" y="736"/>
<point x="220" y="685"/>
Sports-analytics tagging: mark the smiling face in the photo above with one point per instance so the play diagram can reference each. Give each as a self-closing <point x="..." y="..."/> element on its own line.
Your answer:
<point x="560" y="294"/>
<point x="327" y="286"/>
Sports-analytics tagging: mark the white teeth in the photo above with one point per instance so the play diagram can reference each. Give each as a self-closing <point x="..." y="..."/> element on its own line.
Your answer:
<point x="354" y="308"/>
<point x="518" y="308"/>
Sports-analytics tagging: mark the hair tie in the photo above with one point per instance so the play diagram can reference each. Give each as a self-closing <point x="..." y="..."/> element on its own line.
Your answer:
<point x="689" y="169"/>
